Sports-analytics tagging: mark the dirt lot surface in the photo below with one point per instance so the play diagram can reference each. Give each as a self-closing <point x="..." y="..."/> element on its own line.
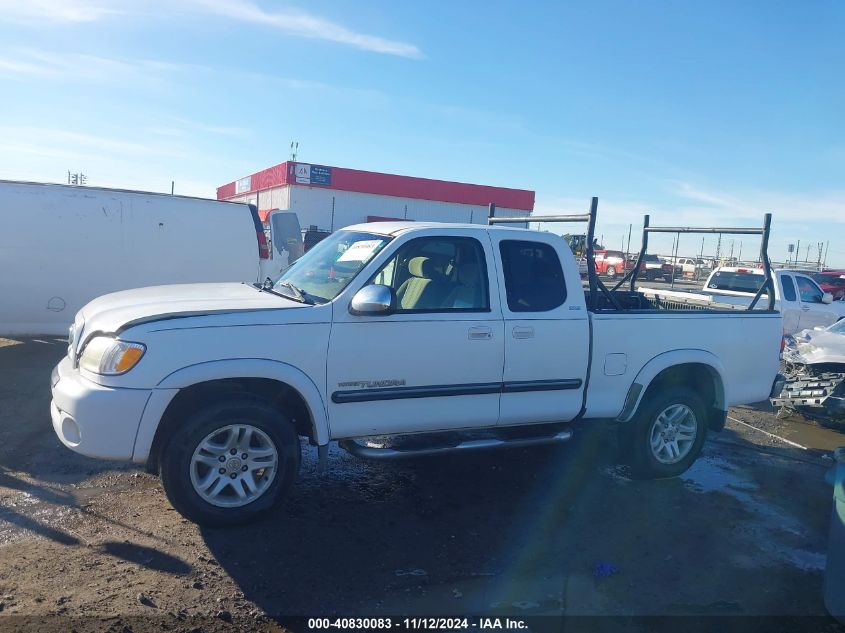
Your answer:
<point x="744" y="532"/>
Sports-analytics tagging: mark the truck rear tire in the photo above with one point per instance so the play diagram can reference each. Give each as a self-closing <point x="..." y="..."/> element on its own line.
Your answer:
<point x="667" y="434"/>
<point x="230" y="462"/>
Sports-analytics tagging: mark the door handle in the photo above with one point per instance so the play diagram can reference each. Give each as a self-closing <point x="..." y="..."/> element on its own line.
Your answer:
<point x="805" y="308"/>
<point x="523" y="332"/>
<point x="480" y="333"/>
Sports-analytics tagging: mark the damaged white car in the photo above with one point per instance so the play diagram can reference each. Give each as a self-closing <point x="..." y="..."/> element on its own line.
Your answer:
<point x="815" y="371"/>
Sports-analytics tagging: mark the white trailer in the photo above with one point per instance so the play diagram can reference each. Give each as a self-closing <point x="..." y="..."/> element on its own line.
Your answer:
<point x="61" y="246"/>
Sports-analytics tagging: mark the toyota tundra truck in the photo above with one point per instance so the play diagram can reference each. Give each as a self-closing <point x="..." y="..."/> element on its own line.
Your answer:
<point x="398" y="339"/>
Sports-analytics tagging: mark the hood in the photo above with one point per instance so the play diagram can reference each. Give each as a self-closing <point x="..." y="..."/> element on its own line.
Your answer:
<point x="816" y="346"/>
<point x="119" y="310"/>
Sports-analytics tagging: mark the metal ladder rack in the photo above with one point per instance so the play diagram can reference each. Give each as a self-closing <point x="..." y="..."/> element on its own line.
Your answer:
<point x="596" y="284"/>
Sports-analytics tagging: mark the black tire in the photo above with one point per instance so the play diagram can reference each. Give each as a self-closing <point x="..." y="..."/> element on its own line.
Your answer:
<point x="637" y="436"/>
<point x="667" y="278"/>
<point x="175" y="461"/>
<point x="611" y="271"/>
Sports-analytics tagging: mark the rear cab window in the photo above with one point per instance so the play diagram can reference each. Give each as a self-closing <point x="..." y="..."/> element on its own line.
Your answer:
<point x="533" y="275"/>
<point x="788" y="288"/>
<point x="736" y="281"/>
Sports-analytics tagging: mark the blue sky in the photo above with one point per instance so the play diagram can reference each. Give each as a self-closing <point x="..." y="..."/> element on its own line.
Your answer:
<point x="699" y="112"/>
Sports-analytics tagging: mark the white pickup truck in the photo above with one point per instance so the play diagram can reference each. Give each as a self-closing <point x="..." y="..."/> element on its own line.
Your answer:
<point x="456" y="337"/>
<point x="799" y="299"/>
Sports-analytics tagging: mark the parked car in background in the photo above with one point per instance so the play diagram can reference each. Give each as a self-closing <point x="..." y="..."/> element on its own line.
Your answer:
<point x="193" y="380"/>
<point x="832" y="281"/>
<point x="671" y="271"/>
<point x="703" y="266"/>
<point x="612" y="263"/>
<point x="799" y="298"/>
<point x="62" y="245"/>
<point x="651" y="268"/>
<point x="814" y="365"/>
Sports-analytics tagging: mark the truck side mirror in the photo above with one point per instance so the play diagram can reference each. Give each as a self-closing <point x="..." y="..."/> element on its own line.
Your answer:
<point x="373" y="300"/>
<point x="827" y="298"/>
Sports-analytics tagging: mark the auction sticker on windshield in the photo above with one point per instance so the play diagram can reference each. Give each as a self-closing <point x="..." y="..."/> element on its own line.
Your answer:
<point x="360" y="251"/>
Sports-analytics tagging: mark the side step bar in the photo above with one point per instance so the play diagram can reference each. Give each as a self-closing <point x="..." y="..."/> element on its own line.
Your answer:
<point x="369" y="452"/>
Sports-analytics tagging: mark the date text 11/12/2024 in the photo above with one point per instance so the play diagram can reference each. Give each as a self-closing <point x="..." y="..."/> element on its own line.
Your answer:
<point x="427" y="623"/>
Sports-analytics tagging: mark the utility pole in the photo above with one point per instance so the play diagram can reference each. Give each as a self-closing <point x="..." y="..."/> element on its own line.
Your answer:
<point x="797" y="253"/>
<point x="824" y="263"/>
<point x="719" y="250"/>
<point x="700" y="262"/>
<point x="739" y="256"/>
<point x="628" y="247"/>
<point x="76" y="179"/>
<point x="675" y="257"/>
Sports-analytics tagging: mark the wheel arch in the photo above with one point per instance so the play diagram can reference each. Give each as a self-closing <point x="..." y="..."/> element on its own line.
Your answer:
<point x="274" y="381"/>
<point x="699" y="367"/>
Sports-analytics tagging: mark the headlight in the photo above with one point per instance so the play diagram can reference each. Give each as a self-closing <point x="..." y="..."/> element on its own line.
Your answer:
<point x="109" y="356"/>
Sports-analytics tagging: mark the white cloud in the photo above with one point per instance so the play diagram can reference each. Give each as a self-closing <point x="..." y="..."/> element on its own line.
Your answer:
<point x="23" y="63"/>
<point x="291" y="21"/>
<point x="56" y="10"/>
<point x="300" y="23"/>
<point x="55" y="142"/>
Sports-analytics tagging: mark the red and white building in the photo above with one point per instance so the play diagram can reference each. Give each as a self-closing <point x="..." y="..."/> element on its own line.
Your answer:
<point x="330" y="198"/>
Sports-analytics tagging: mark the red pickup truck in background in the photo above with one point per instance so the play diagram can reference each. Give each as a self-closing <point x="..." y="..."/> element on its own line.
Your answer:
<point x="612" y="263"/>
<point x="832" y="281"/>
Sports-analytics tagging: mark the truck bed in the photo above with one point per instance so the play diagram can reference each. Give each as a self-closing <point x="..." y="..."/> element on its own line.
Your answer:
<point x="651" y="300"/>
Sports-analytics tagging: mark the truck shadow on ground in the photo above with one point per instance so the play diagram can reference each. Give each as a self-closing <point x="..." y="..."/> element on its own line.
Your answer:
<point x="531" y="531"/>
<point x="27" y="441"/>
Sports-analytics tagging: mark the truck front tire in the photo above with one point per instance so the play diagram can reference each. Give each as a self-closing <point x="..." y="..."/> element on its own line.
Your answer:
<point x="230" y="462"/>
<point x="667" y="434"/>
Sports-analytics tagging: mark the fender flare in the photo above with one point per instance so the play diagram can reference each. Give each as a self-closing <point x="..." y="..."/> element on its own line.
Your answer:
<point x="670" y="359"/>
<point x="185" y="377"/>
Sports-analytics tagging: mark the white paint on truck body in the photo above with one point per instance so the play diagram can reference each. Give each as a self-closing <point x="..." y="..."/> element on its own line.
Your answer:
<point x="477" y="369"/>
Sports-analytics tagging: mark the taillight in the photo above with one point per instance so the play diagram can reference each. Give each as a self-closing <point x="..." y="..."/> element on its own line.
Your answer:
<point x="782" y="344"/>
<point x="263" y="248"/>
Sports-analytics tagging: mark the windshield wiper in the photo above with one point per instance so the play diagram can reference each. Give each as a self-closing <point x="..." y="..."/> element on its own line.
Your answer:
<point x="298" y="293"/>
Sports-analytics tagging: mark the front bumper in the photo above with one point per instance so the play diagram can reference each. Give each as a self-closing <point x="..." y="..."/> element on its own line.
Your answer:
<point x="94" y="420"/>
<point x="822" y="394"/>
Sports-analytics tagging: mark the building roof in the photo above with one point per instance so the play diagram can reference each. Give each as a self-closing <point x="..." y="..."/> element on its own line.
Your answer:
<point x="356" y="180"/>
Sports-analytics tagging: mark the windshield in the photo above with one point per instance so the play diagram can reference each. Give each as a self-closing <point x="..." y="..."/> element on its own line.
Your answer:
<point x="736" y="282"/>
<point x="838" y="327"/>
<point x="325" y="270"/>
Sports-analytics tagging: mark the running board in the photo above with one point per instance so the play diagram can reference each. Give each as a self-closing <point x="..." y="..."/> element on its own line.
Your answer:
<point x="385" y="453"/>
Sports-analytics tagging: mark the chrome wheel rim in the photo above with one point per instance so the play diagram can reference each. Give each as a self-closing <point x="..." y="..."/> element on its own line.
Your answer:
<point x="673" y="434"/>
<point x="234" y="465"/>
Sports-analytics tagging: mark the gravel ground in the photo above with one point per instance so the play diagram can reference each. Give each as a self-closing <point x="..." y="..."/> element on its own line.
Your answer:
<point x="96" y="544"/>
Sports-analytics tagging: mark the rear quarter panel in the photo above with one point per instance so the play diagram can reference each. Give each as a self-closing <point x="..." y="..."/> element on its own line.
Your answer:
<point x="747" y="346"/>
